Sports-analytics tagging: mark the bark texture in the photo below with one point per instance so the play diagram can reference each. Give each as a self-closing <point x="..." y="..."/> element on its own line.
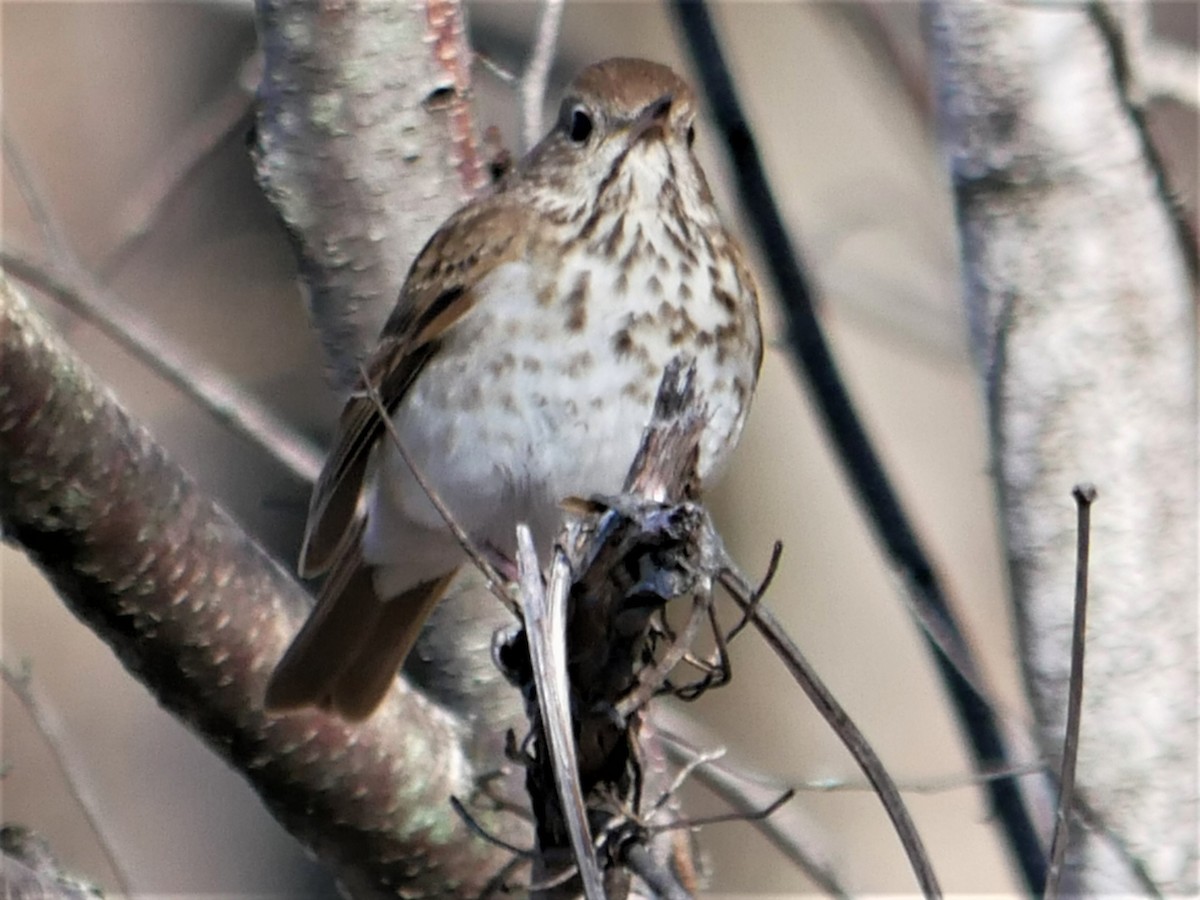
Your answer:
<point x="365" y="145"/>
<point x="1083" y="318"/>
<point x="198" y="613"/>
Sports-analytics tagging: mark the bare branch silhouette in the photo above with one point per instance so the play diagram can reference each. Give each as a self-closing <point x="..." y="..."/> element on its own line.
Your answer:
<point x="927" y="596"/>
<point x="1085" y="496"/>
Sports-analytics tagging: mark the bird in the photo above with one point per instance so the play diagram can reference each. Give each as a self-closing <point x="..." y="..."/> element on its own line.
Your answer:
<point x="519" y="368"/>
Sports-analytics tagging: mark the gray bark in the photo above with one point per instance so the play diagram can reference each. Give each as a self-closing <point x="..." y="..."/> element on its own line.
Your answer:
<point x="1083" y="319"/>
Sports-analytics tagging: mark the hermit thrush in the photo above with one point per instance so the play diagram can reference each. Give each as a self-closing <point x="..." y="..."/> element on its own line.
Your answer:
<point x="520" y="367"/>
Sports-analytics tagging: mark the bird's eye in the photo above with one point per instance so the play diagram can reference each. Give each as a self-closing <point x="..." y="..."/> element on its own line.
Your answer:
<point x="691" y="135"/>
<point x="580" y="127"/>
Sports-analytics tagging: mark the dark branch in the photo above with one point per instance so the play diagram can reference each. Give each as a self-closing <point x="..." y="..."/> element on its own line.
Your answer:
<point x="953" y="655"/>
<point x="1085" y="495"/>
<point x="850" y="735"/>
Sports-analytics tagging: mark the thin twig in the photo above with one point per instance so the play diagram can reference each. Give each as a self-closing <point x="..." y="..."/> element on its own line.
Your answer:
<point x="493" y="67"/>
<point x="708" y="757"/>
<point x="537" y="72"/>
<point x="765" y="813"/>
<point x="29" y="186"/>
<point x="755" y="779"/>
<point x="853" y="739"/>
<point x="1085" y="495"/>
<point x="744" y="791"/>
<point x="496" y="583"/>
<point x="954" y="658"/>
<point x="480" y="831"/>
<point x="202" y="136"/>
<point x="545" y="613"/>
<point x="922" y="786"/>
<point x="48" y="726"/>
<point x="651" y="678"/>
<point x="759" y="592"/>
<point x="226" y="401"/>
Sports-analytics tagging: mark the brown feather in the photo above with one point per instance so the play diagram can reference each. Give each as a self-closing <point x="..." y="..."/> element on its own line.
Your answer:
<point x="354" y="642"/>
<point x="347" y="653"/>
<point x="362" y="685"/>
<point x="438" y="292"/>
<point x="335" y="497"/>
<point x="332" y="636"/>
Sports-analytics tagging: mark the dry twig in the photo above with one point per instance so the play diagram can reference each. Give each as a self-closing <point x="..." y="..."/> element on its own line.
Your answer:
<point x="746" y="792"/>
<point x="47" y="723"/>
<point x="1085" y="495"/>
<point x="29" y="186"/>
<point x="198" y="141"/>
<point x="226" y="401"/>
<point x="537" y="71"/>
<point x="544" y="610"/>
<point x="853" y="739"/>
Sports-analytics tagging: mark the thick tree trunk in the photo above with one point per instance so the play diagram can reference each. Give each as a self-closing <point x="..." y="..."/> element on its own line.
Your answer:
<point x="1083" y="313"/>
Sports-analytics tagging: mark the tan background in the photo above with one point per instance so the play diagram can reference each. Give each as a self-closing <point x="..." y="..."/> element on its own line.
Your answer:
<point x="98" y="95"/>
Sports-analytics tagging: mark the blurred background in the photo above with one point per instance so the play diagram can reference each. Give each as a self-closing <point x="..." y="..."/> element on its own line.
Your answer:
<point x="121" y="108"/>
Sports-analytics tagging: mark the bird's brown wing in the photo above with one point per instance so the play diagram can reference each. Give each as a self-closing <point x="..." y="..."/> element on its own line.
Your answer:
<point x="347" y="653"/>
<point x="439" y="292"/>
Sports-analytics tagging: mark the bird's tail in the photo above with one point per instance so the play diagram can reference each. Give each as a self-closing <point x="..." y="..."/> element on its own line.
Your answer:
<point x="349" y="650"/>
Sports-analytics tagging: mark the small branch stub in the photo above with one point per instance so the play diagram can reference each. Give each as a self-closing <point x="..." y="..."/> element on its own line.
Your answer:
<point x="1085" y="496"/>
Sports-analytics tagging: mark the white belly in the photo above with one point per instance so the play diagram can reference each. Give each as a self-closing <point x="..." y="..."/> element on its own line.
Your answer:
<point x="520" y="409"/>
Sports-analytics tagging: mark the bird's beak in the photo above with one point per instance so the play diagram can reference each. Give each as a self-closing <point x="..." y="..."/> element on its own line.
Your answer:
<point x="651" y="123"/>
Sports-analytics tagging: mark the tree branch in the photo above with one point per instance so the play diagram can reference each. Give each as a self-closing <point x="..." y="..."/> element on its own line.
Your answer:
<point x="894" y="531"/>
<point x="365" y="145"/>
<point x="791" y="833"/>
<point x="1082" y="306"/>
<point x="199" y="614"/>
